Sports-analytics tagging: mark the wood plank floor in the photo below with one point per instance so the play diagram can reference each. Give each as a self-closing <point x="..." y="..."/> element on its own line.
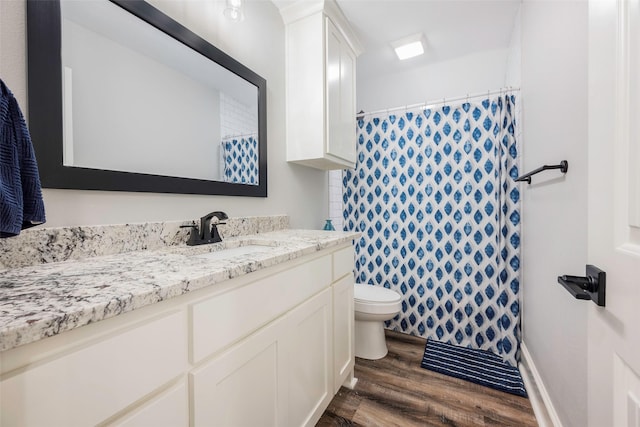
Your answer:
<point x="396" y="391"/>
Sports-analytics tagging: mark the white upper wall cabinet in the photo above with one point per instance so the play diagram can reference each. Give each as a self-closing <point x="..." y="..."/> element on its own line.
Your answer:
<point x="321" y="51"/>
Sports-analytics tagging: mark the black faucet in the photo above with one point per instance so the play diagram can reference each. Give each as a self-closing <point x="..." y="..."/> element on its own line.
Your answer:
<point x="207" y="232"/>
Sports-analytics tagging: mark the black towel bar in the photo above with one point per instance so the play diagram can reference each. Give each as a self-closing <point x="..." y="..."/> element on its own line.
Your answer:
<point x="563" y="166"/>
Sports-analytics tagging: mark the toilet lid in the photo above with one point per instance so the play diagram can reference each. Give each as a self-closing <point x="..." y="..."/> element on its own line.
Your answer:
<point x="371" y="293"/>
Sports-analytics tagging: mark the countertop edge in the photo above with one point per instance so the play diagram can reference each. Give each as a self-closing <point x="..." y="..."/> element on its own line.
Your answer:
<point x="53" y="319"/>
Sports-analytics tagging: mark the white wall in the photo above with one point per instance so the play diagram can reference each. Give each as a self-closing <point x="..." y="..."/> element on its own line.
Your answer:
<point x="470" y="74"/>
<point x="258" y="43"/>
<point x="513" y="75"/>
<point x="554" y="103"/>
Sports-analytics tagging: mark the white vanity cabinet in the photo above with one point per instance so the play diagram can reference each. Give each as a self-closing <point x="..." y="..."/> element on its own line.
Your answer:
<point x="169" y="409"/>
<point x="321" y="51"/>
<point x="279" y="376"/>
<point x="343" y="323"/>
<point x="268" y="348"/>
<point x="309" y="361"/>
<point x="241" y="387"/>
<point x="84" y="377"/>
<point x="284" y="369"/>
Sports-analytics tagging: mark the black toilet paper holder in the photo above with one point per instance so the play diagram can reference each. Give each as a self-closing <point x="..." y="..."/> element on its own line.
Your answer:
<point x="590" y="287"/>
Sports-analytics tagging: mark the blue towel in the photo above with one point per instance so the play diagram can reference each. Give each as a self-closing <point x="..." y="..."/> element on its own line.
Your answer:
<point x="21" y="204"/>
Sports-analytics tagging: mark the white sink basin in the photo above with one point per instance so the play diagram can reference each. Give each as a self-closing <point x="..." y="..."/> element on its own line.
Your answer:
<point x="240" y="251"/>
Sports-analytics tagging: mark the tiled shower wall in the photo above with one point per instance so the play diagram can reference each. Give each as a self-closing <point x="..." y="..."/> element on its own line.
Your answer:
<point x="236" y="118"/>
<point x="335" y="199"/>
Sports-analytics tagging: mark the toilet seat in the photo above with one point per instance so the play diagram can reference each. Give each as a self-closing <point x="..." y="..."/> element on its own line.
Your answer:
<point x="375" y="299"/>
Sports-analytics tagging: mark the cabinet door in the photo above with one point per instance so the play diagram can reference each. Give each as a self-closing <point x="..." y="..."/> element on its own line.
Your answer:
<point x="343" y="324"/>
<point x="340" y="81"/>
<point x="309" y="360"/>
<point x="347" y="103"/>
<point x="170" y="409"/>
<point x="92" y="383"/>
<point x="243" y="386"/>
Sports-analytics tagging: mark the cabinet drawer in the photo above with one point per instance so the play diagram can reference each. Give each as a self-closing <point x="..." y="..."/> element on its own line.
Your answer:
<point x="343" y="262"/>
<point x="224" y="319"/>
<point x="88" y="385"/>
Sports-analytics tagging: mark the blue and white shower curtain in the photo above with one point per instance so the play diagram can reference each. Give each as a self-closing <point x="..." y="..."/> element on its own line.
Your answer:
<point x="240" y="157"/>
<point x="434" y="196"/>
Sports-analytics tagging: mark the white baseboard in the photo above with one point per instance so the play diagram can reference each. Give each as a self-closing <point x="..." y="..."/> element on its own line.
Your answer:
<point x="543" y="408"/>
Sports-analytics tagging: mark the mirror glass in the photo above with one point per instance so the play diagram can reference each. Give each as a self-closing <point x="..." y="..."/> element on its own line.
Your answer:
<point x="144" y="104"/>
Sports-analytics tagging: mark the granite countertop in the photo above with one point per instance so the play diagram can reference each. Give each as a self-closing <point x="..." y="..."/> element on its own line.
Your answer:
<point x="44" y="300"/>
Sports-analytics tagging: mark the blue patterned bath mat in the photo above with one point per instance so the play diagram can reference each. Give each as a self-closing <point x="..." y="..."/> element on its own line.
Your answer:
<point x="478" y="366"/>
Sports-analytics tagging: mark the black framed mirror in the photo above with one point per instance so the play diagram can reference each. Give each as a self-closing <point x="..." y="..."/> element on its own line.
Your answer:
<point x="72" y="146"/>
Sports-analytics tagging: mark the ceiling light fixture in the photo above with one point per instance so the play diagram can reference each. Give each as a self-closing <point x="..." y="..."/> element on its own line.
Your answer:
<point x="234" y="11"/>
<point x="409" y="47"/>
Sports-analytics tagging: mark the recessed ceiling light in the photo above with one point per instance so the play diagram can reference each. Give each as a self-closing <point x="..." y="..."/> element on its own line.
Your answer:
<point x="409" y="47"/>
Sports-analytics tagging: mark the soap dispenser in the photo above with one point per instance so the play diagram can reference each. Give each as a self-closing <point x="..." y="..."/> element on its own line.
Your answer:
<point x="328" y="226"/>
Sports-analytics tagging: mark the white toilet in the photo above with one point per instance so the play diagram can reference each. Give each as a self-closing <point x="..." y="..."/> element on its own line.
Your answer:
<point x="373" y="305"/>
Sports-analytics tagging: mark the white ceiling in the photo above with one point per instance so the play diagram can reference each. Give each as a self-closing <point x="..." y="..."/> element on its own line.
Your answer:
<point x="452" y="28"/>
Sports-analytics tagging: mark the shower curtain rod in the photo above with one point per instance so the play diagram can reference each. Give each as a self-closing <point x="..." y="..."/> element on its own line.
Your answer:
<point x="240" y="135"/>
<point x="435" y="103"/>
